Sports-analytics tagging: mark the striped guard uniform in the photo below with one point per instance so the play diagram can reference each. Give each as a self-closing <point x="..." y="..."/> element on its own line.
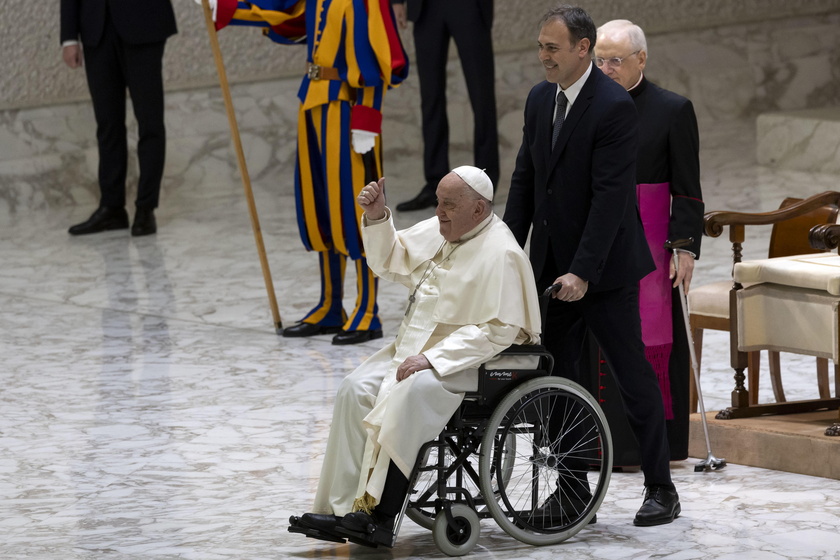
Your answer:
<point x="357" y="45"/>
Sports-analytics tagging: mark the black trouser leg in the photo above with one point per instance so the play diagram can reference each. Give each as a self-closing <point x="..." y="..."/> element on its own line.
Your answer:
<point x="431" y="38"/>
<point x="106" y="82"/>
<point x="393" y="495"/>
<point x="613" y="318"/>
<point x="474" y="40"/>
<point x="144" y="77"/>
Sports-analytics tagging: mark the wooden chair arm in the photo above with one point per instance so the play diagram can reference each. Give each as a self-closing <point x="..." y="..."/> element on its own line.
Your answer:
<point x="825" y="236"/>
<point x="715" y="222"/>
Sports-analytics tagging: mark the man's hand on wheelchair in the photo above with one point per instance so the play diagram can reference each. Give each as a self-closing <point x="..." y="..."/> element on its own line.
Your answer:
<point x="372" y="199"/>
<point x="574" y="287"/>
<point x="412" y="365"/>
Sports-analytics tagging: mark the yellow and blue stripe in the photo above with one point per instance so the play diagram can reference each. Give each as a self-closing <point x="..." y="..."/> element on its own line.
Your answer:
<point x="329" y="311"/>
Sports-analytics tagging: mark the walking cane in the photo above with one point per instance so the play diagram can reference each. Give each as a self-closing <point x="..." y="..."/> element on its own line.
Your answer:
<point x="711" y="462"/>
<point x="243" y="170"/>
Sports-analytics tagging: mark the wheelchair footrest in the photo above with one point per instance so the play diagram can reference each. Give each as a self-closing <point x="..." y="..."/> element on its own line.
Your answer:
<point x="315" y="533"/>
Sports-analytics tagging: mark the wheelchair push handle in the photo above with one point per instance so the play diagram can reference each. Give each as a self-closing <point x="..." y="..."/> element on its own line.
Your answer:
<point x="546" y="295"/>
<point x="552" y="289"/>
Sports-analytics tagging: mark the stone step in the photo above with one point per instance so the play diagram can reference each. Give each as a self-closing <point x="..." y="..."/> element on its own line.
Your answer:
<point x="794" y="443"/>
<point x="806" y="140"/>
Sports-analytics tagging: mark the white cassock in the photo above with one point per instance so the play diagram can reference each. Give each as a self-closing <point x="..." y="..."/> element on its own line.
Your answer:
<point x="471" y="300"/>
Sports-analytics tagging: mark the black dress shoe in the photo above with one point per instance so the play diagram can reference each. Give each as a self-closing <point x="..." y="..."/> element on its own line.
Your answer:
<point x="355" y="337"/>
<point x="368" y="530"/>
<point x="560" y="512"/>
<point x="321" y="521"/>
<point x="103" y="219"/>
<point x="317" y="526"/>
<point x="426" y="199"/>
<point x="362" y="522"/>
<point x="144" y="222"/>
<point x="661" y="506"/>
<point x="308" y="329"/>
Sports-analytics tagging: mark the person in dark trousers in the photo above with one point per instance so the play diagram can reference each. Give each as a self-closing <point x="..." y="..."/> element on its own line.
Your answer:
<point x="671" y="204"/>
<point x="574" y="185"/>
<point x="122" y="44"/>
<point x="469" y="23"/>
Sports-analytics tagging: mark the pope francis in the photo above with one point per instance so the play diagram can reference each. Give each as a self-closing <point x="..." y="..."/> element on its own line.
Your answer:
<point x="471" y="295"/>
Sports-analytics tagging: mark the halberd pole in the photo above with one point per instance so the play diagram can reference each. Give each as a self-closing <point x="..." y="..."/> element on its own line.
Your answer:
<point x="243" y="169"/>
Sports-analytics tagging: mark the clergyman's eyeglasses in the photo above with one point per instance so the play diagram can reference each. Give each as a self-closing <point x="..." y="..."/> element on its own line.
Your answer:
<point x="613" y="62"/>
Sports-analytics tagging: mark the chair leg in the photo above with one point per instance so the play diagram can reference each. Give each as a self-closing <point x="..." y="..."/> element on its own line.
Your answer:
<point x="834" y="429"/>
<point x="837" y="382"/>
<point x="822" y="378"/>
<point x="753" y="370"/>
<point x="697" y="335"/>
<point x="776" y="377"/>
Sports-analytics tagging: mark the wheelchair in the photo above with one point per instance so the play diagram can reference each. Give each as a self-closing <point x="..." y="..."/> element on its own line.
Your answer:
<point x="523" y="439"/>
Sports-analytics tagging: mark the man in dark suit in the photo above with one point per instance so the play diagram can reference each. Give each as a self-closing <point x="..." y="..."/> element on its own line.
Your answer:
<point x="470" y="24"/>
<point x="122" y="43"/>
<point x="579" y="196"/>
<point x="671" y="203"/>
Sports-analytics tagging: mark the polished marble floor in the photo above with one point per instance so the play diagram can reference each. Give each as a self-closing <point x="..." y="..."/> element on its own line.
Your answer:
<point x="149" y="410"/>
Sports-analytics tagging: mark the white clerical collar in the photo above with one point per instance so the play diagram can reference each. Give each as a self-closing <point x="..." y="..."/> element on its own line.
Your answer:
<point x="573" y="90"/>
<point x="477" y="230"/>
<point x="641" y="77"/>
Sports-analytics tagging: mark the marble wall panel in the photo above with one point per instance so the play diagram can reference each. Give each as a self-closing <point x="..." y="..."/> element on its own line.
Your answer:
<point x="741" y="71"/>
<point x="48" y="156"/>
<point x="33" y="73"/>
<point x="805" y="140"/>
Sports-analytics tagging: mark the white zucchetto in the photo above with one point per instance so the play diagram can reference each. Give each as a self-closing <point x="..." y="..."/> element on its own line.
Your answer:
<point x="477" y="179"/>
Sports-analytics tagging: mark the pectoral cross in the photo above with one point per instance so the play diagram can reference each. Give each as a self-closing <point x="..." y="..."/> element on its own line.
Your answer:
<point x="411" y="300"/>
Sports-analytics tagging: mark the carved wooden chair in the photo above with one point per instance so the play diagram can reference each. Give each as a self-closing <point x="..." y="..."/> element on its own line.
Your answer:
<point x="714" y="306"/>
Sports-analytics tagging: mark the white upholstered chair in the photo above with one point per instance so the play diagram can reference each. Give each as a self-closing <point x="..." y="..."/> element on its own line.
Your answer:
<point x="711" y="305"/>
<point x="792" y="304"/>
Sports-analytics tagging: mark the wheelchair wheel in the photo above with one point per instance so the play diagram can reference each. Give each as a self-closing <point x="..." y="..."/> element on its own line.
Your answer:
<point x="562" y="441"/>
<point x="458" y="537"/>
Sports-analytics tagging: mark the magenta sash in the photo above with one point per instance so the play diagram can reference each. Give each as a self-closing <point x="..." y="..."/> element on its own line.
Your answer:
<point x="655" y="288"/>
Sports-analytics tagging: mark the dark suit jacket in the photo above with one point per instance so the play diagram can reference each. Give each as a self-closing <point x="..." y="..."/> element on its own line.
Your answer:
<point x="136" y="21"/>
<point x="582" y="195"/>
<point x="669" y="146"/>
<point x="414" y="9"/>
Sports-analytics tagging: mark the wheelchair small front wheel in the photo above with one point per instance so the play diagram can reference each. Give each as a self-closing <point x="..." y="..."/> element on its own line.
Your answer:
<point x="461" y="535"/>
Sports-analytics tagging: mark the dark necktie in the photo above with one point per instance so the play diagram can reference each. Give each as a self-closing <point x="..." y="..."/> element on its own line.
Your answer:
<point x="561" y="116"/>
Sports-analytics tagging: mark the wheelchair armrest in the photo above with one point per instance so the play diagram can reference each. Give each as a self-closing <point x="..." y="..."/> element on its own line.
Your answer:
<point x="514" y="357"/>
<point x="509" y="368"/>
<point x="515" y="349"/>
